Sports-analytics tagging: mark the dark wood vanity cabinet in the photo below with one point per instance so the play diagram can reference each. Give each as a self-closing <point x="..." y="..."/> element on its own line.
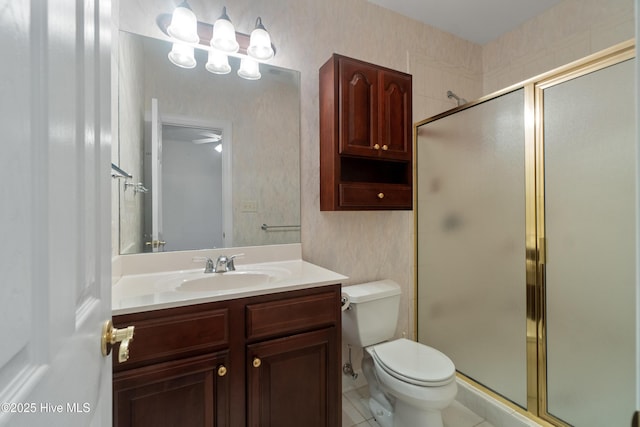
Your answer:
<point x="293" y="361"/>
<point x="365" y="136"/>
<point x="288" y="381"/>
<point x="270" y="360"/>
<point x="177" y="370"/>
<point x="187" y="392"/>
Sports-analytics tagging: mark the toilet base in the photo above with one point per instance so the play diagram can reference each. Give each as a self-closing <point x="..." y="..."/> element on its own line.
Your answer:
<point x="404" y="416"/>
<point x="383" y="416"/>
<point x="390" y="411"/>
<point x="409" y="416"/>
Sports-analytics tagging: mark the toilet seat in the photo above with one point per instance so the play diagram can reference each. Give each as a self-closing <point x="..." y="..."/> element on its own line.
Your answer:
<point x="414" y="363"/>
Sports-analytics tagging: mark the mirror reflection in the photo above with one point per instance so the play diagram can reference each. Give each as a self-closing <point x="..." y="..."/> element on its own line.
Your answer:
<point x="218" y="154"/>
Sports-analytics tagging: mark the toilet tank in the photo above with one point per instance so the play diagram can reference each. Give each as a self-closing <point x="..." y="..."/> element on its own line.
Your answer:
<point x="372" y="315"/>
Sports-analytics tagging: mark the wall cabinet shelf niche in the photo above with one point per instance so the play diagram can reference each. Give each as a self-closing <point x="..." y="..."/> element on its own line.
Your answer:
<point x="365" y="136"/>
<point x="263" y="361"/>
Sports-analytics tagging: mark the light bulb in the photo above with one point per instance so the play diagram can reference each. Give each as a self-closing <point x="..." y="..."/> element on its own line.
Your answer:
<point x="224" y="34"/>
<point x="182" y="55"/>
<point x="218" y="62"/>
<point x="260" y="43"/>
<point x="249" y="69"/>
<point x="184" y="25"/>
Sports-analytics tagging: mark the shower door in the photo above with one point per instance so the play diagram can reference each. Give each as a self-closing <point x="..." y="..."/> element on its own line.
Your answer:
<point x="587" y="161"/>
<point x="471" y="225"/>
<point x="526" y="210"/>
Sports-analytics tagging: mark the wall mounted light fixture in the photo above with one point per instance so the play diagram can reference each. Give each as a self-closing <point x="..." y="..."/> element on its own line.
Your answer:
<point x="221" y="40"/>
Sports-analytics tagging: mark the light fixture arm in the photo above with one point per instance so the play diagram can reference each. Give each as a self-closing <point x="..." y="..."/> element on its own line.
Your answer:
<point x="224" y="14"/>
<point x="185" y="5"/>
<point x="259" y="24"/>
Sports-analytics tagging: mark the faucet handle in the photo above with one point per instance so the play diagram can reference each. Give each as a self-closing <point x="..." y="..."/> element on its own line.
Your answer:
<point x="230" y="265"/>
<point x="209" y="263"/>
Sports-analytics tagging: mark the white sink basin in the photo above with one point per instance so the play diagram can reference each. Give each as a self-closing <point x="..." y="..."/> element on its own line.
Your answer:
<point x="225" y="281"/>
<point x="162" y="289"/>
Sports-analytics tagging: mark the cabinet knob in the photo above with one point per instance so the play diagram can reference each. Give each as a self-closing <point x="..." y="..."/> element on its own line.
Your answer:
<point x="380" y="195"/>
<point x="377" y="146"/>
<point x="257" y="362"/>
<point x="222" y="371"/>
<point x="385" y="147"/>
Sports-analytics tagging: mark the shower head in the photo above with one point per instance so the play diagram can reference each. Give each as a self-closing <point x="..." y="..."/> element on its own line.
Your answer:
<point x="456" y="97"/>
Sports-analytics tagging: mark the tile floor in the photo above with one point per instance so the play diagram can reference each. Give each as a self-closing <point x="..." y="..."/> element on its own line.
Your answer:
<point x="356" y="413"/>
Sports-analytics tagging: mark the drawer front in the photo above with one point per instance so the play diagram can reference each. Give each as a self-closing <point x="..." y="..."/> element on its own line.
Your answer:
<point x="290" y="315"/>
<point x="383" y="196"/>
<point x="174" y="336"/>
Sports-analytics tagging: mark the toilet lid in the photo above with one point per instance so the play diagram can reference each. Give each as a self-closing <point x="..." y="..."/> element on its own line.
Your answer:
<point x="414" y="362"/>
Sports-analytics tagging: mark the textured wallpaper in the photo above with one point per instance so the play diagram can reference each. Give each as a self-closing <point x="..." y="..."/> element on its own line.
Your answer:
<point x="567" y="32"/>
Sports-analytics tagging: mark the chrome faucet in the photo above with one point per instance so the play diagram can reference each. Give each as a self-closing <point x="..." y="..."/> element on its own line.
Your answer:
<point x="208" y="267"/>
<point x="221" y="265"/>
<point x="224" y="264"/>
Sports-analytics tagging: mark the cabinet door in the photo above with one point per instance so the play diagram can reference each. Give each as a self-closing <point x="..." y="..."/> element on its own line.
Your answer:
<point x="359" y="108"/>
<point x="395" y="116"/>
<point x="294" y="381"/>
<point x="188" y="393"/>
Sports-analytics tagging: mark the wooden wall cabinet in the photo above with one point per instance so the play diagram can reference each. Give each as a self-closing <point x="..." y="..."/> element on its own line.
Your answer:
<point x="265" y="361"/>
<point x="365" y="136"/>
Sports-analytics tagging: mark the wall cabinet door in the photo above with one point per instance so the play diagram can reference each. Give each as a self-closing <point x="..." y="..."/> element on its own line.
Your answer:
<point x="375" y="111"/>
<point x="395" y="116"/>
<point x="172" y="394"/>
<point x="358" y="108"/>
<point x="291" y="381"/>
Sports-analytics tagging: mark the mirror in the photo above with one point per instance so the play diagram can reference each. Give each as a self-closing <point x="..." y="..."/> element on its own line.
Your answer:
<point x="228" y="159"/>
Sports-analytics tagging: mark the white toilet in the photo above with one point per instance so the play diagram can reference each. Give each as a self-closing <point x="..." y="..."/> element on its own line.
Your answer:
<point x="409" y="383"/>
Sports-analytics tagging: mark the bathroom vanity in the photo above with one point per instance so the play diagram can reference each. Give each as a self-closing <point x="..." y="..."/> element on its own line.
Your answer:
<point x="258" y="355"/>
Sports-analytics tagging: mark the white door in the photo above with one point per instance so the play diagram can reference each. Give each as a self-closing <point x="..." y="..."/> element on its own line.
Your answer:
<point x="54" y="212"/>
<point x="157" y="242"/>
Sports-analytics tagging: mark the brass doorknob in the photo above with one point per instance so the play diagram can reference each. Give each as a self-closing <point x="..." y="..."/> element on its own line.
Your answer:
<point x="257" y="362"/>
<point x="222" y="371"/>
<point x="380" y="195"/>
<point x="111" y="335"/>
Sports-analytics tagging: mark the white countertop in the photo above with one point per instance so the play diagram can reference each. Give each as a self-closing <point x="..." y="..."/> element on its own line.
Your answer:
<point x="156" y="290"/>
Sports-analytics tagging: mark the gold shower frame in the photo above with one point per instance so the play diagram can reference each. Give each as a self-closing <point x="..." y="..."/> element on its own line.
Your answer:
<point x="534" y="220"/>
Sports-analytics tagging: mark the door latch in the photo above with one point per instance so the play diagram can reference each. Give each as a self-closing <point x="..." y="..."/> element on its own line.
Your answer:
<point x="111" y="335"/>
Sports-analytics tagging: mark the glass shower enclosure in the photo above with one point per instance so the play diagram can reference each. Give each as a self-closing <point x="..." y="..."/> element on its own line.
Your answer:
<point x="526" y="241"/>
